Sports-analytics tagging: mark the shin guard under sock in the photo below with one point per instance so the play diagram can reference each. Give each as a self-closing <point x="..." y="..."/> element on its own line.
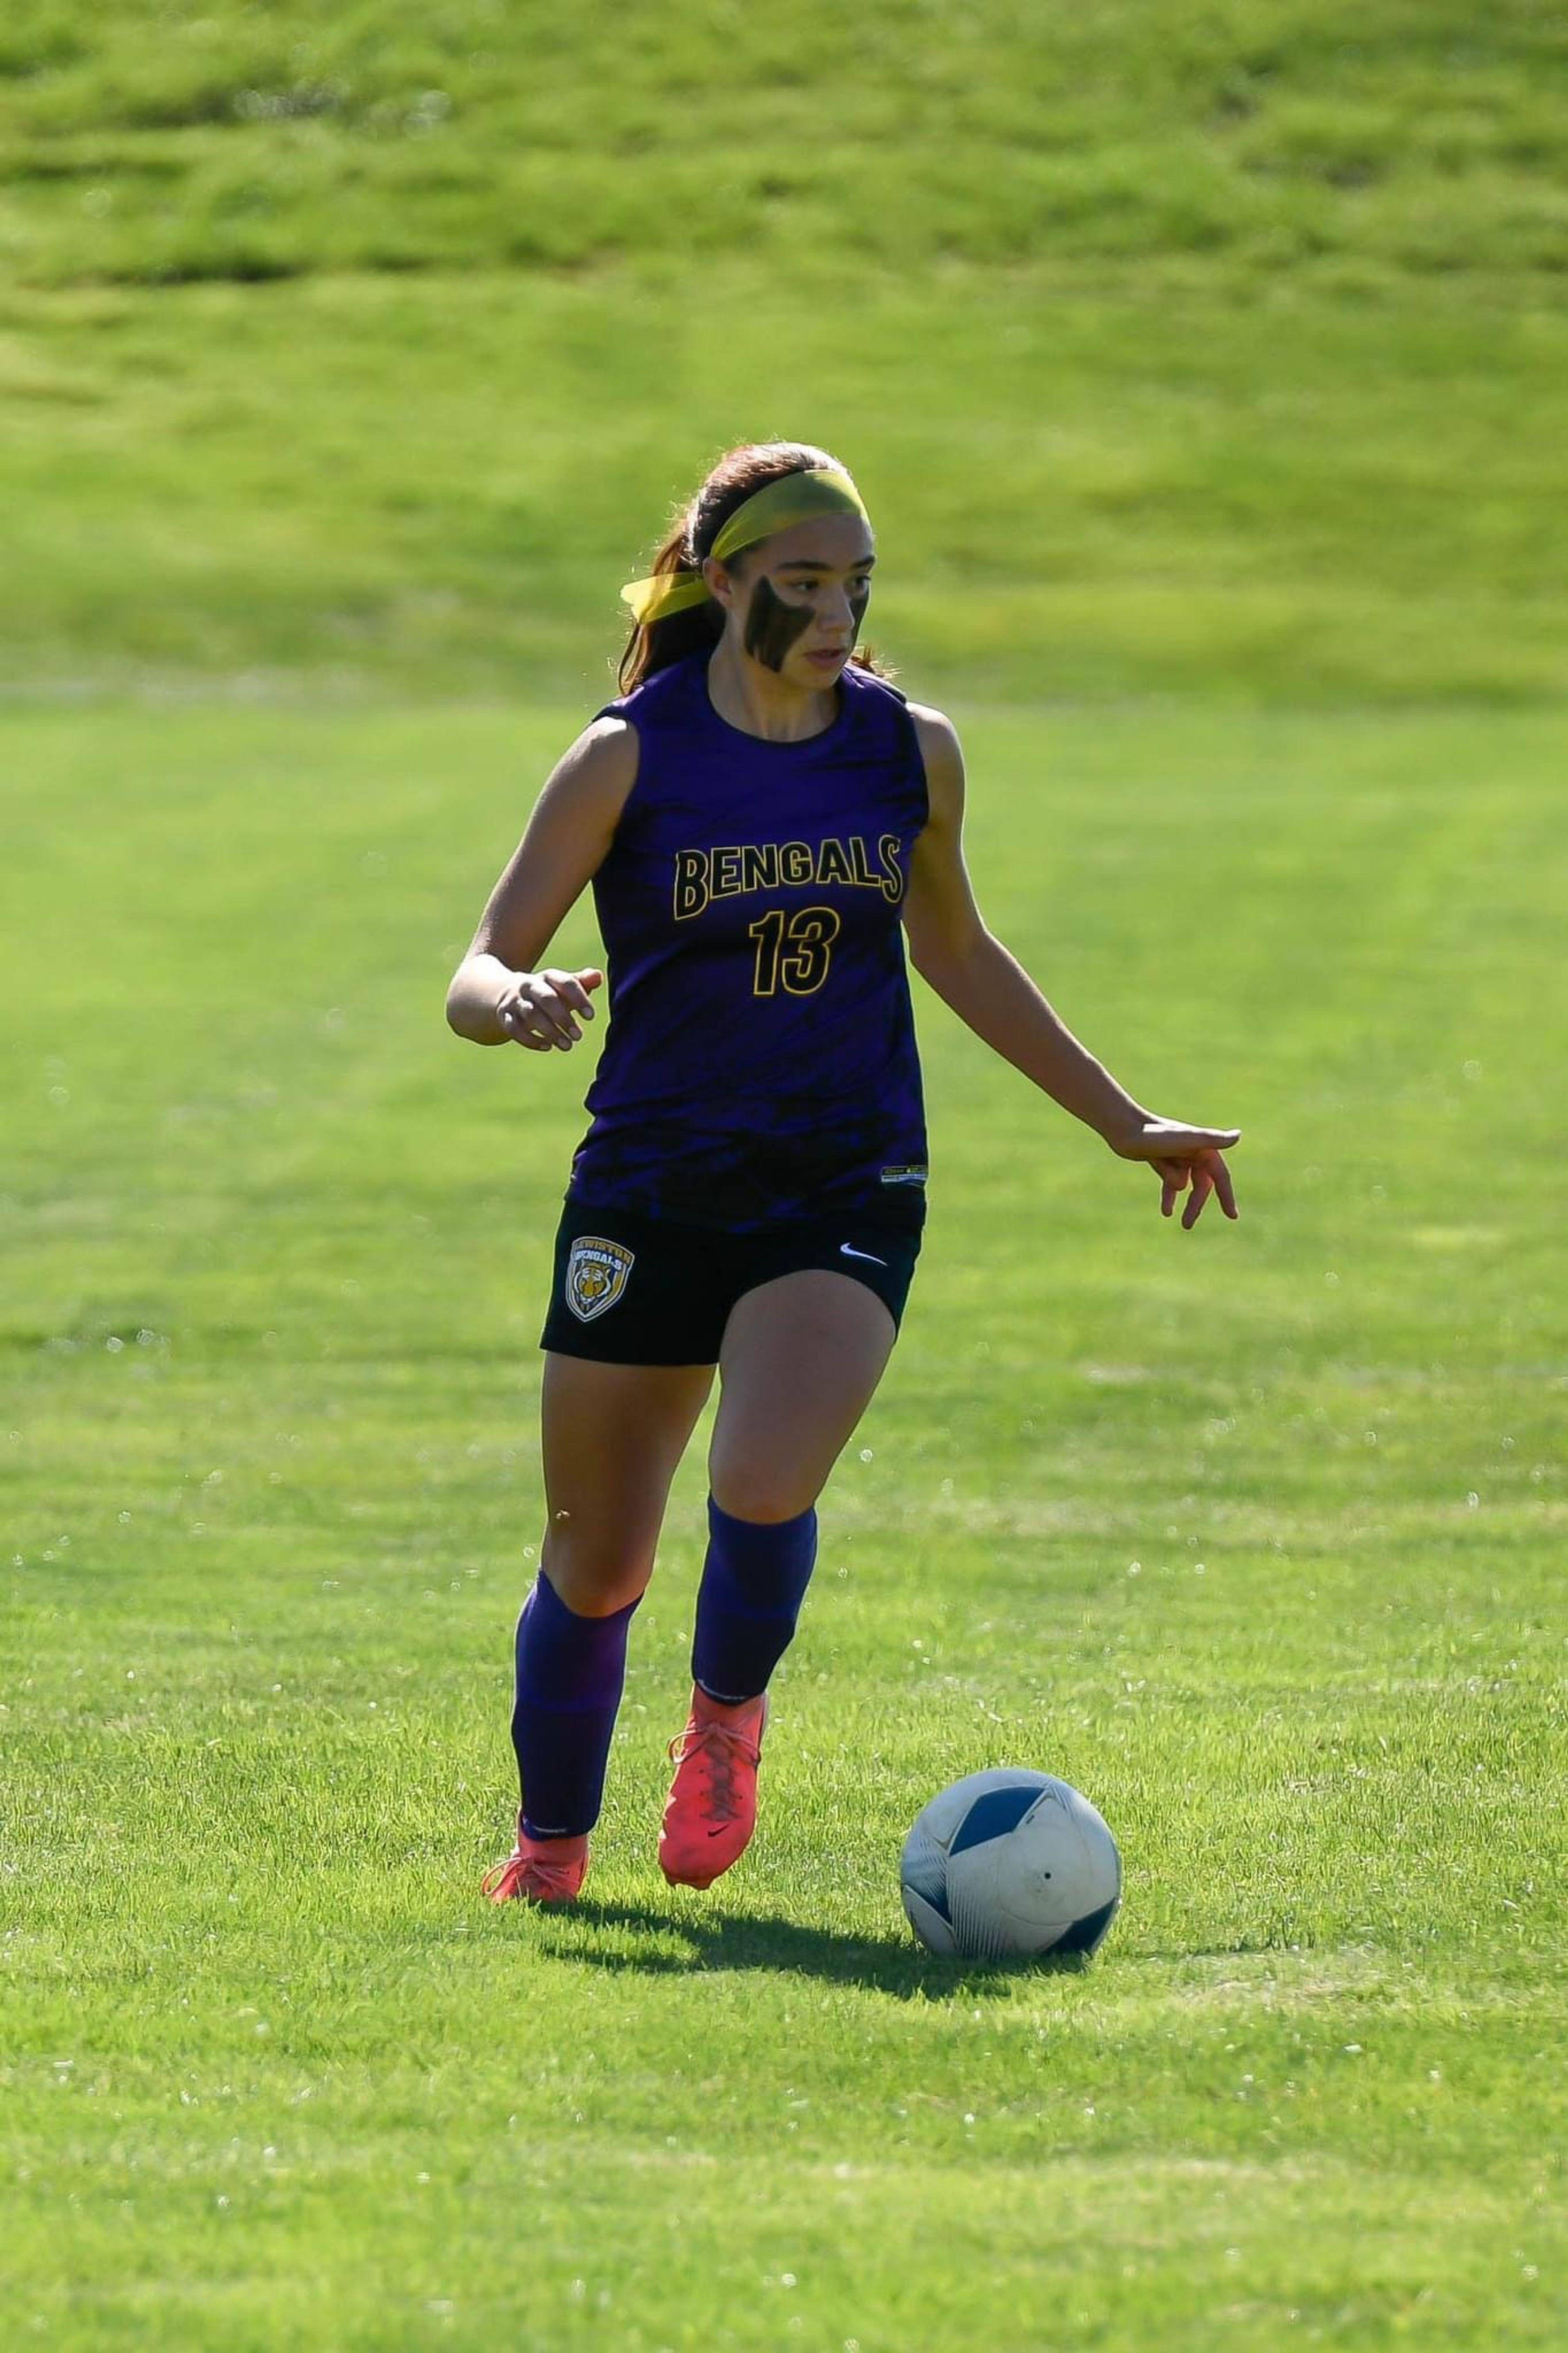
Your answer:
<point x="570" y="1673"/>
<point x="753" y="1582"/>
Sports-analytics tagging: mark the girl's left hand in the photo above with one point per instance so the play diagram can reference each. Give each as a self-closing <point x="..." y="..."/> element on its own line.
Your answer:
<point x="1184" y="1157"/>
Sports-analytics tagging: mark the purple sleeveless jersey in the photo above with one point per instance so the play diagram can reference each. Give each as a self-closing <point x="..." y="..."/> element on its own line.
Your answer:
<point x="761" y="1062"/>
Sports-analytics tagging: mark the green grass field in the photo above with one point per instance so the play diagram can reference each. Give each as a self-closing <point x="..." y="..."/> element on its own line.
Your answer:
<point x="1204" y="368"/>
<point x="1179" y="350"/>
<point x="1255" y="1534"/>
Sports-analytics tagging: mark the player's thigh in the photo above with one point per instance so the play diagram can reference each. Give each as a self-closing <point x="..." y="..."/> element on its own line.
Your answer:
<point x="801" y="1361"/>
<point x="612" y="1436"/>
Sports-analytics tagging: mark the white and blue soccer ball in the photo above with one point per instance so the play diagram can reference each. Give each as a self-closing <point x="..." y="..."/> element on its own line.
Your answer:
<point x="1010" y="1861"/>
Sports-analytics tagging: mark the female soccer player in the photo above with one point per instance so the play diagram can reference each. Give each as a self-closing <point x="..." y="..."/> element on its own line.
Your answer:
<point x="758" y="815"/>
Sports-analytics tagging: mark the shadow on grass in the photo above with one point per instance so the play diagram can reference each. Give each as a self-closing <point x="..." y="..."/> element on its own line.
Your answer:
<point x="611" y="1936"/>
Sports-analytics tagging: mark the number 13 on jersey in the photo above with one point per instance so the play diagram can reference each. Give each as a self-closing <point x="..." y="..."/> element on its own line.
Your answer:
<point x="796" y="949"/>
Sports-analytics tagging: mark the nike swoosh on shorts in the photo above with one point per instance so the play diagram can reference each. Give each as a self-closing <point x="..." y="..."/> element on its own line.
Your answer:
<point x="845" y="1252"/>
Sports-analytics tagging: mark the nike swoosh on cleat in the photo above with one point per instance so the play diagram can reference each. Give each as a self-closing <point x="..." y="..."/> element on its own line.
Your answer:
<point x="845" y="1252"/>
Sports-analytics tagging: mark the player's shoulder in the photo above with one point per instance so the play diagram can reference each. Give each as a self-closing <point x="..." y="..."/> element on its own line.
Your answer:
<point x="940" y="746"/>
<point x="608" y="739"/>
<point x="600" y="764"/>
<point x="932" y="722"/>
<point x="659" y="708"/>
<point x="932" y="729"/>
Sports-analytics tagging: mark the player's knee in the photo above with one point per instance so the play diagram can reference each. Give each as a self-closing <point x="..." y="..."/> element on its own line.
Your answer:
<point x="592" y="1579"/>
<point x="760" y="1493"/>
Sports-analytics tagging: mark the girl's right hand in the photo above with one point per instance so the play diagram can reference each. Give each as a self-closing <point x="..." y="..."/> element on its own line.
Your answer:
<point x="538" y="1009"/>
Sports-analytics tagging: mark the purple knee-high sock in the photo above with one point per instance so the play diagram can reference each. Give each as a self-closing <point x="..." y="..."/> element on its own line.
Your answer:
<point x="753" y="1582"/>
<point x="570" y="1672"/>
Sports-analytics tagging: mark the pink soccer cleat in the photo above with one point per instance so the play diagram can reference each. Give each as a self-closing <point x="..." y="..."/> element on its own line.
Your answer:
<point x="712" y="1806"/>
<point x="539" y="1871"/>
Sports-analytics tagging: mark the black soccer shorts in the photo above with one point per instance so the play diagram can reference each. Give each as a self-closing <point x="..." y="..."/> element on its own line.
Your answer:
<point x="635" y="1290"/>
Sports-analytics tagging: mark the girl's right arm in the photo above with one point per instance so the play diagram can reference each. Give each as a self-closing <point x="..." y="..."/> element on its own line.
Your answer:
<point x="497" y="993"/>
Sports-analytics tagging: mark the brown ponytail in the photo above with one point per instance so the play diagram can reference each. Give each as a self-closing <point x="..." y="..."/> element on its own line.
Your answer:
<point x="738" y="475"/>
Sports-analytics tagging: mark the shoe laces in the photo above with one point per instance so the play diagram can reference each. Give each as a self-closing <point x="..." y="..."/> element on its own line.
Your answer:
<point x="723" y="1745"/>
<point x="527" y="1875"/>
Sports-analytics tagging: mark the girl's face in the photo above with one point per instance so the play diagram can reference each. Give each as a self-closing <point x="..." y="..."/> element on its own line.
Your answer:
<point x="796" y="600"/>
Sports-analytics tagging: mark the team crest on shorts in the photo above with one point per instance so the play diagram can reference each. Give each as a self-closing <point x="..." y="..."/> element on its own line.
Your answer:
<point x="597" y="1276"/>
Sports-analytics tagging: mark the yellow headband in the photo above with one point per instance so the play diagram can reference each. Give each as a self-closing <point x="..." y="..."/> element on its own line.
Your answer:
<point x="789" y="499"/>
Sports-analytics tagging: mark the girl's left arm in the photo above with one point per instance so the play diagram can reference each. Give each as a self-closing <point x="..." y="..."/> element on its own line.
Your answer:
<point x="989" y="990"/>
